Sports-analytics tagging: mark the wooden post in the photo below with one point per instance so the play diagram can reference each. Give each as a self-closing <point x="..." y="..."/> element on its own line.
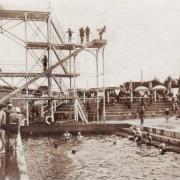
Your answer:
<point x="97" y="85"/>
<point x="27" y="104"/>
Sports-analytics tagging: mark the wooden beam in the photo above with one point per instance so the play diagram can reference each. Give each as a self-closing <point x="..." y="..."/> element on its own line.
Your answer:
<point x="20" y="15"/>
<point x="7" y="97"/>
<point x="44" y="45"/>
<point x="23" y="74"/>
<point x="43" y="98"/>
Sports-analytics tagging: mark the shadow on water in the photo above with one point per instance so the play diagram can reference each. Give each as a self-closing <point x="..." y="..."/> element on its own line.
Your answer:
<point x="8" y="161"/>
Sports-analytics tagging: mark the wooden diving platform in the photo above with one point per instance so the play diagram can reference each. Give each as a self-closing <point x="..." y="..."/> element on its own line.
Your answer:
<point x="20" y="15"/>
<point x="11" y="74"/>
<point x="96" y="43"/>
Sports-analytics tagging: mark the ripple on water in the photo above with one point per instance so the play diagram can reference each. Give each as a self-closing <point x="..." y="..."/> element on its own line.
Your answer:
<point x="98" y="158"/>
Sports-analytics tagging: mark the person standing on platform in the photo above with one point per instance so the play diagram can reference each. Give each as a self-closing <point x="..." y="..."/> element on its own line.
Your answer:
<point x="101" y="31"/>
<point x="2" y="122"/>
<point x="87" y="32"/>
<point x="69" y="32"/>
<point x="167" y="114"/>
<point x="81" y="34"/>
<point x="45" y="62"/>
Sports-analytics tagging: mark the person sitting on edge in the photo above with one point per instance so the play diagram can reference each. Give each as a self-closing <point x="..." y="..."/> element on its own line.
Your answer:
<point x="167" y="114"/>
<point x="67" y="136"/>
<point x="149" y="139"/>
<point x="80" y="137"/>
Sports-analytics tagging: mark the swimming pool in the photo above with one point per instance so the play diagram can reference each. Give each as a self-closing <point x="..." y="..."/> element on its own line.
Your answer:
<point x="98" y="158"/>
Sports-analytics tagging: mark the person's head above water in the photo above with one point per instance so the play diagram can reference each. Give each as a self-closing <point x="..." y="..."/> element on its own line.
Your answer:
<point x="9" y="106"/>
<point x="79" y="133"/>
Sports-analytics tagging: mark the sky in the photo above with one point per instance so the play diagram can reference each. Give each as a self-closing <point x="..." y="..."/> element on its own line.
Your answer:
<point x="141" y="34"/>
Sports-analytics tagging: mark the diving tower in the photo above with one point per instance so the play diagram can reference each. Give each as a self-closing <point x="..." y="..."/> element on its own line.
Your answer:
<point x="53" y="44"/>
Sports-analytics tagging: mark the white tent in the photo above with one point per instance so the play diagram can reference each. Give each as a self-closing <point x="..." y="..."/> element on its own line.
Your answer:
<point x="141" y="88"/>
<point x="159" y="87"/>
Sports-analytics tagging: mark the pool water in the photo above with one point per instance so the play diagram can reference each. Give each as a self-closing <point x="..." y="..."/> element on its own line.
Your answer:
<point x="98" y="158"/>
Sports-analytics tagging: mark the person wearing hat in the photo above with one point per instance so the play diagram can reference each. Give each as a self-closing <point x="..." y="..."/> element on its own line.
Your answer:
<point x="15" y="117"/>
<point x="8" y="111"/>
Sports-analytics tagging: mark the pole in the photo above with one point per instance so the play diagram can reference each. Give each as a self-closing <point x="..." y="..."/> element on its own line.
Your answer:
<point x="97" y="84"/>
<point x="26" y="55"/>
<point x="49" y="75"/>
<point x="70" y="83"/>
<point x="104" y="100"/>
<point x="75" y="98"/>
<point x="70" y="70"/>
<point x="141" y="76"/>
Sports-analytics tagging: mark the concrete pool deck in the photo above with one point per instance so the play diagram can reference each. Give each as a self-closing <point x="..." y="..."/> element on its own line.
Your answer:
<point x="172" y="124"/>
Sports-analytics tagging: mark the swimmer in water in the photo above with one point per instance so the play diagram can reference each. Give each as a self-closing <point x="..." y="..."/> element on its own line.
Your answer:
<point x="149" y="139"/>
<point x="80" y="137"/>
<point x="138" y="139"/>
<point x="67" y="136"/>
<point x="162" y="148"/>
<point x="134" y="134"/>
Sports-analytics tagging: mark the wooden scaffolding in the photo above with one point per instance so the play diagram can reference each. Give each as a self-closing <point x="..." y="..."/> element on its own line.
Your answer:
<point x="53" y="43"/>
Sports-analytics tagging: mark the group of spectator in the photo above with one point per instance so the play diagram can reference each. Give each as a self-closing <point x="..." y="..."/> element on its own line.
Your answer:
<point x="85" y="33"/>
<point x="82" y="32"/>
<point x="124" y="97"/>
<point x="9" y="115"/>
